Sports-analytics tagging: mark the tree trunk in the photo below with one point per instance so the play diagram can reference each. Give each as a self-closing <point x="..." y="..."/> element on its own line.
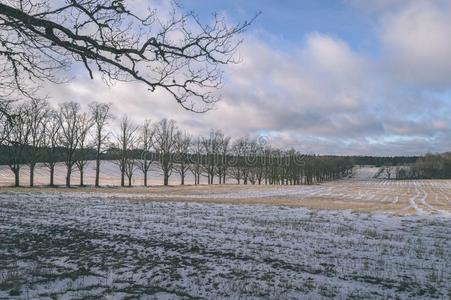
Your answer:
<point x="32" y="174"/>
<point x="122" y="177"/>
<point x="129" y="181"/>
<point x="166" y="178"/>
<point x="182" y="178"/>
<point x="97" y="181"/>
<point x="145" y="177"/>
<point x="68" y="174"/>
<point x="52" y="174"/>
<point x="196" y="178"/>
<point x="81" y="176"/>
<point x="17" y="177"/>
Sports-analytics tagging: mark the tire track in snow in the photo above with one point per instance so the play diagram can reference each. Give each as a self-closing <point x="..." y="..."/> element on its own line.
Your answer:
<point x="413" y="204"/>
<point x="419" y="199"/>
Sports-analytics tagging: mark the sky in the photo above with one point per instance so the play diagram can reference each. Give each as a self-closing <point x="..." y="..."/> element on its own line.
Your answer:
<point x="345" y="77"/>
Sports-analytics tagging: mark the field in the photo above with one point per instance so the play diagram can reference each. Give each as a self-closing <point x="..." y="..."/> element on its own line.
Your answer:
<point x="358" y="238"/>
<point x="361" y="192"/>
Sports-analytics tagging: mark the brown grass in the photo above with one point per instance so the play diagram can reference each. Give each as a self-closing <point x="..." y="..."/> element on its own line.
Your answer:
<point x="382" y="196"/>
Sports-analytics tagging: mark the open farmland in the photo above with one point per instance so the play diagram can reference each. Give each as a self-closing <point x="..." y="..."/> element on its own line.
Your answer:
<point x="56" y="245"/>
<point x="195" y="242"/>
<point x="361" y="192"/>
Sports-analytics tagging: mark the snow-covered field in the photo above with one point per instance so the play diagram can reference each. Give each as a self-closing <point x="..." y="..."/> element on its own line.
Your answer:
<point x="66" y="247"/>
<point x="360" y="192"/>
<point x="196" y="242"/>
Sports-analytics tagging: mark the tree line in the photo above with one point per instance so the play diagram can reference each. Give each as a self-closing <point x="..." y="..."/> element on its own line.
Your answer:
<point x="431" y="166"/>
<point x="382" y="161"/>
<point x="38" y="132"/>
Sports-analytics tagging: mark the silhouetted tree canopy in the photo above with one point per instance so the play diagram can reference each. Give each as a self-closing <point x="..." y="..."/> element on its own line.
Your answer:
<point x="173" y="51"/>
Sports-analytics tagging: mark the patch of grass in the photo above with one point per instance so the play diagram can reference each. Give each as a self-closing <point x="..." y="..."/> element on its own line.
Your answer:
<point x="327" y="291"/>
<point x="11" y="280"/>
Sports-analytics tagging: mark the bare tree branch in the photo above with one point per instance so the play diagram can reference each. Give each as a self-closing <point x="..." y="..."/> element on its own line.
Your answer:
<point x="176" y="53"/>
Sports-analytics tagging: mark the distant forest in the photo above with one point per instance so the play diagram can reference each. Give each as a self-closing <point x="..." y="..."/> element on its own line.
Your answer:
<point x="111" y="154"/>
<point x="430" y="166"/>
<point x="380" y="161"/>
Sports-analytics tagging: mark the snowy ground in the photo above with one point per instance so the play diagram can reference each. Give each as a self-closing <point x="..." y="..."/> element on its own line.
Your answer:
<point x="57" y="246"/>
<point x="361" y="192"/>
<point x="168" y="242"/>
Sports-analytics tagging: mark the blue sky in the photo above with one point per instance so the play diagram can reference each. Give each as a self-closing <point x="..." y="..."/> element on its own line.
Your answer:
<point x="329" y="77"/>
<point x="288" y="21"/>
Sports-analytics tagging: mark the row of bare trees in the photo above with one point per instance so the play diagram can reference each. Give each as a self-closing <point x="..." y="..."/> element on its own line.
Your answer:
<point x="38" y="132"/>
<point x="215" y="157"/>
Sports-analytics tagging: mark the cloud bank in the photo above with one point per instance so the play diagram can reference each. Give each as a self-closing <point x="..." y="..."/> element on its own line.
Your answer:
<point x="323" y="96"/>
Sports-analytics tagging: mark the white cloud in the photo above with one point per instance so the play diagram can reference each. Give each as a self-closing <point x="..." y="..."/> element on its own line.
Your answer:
<point x="377" y="6"/>
<point x="323" y="96"/>
<point x="417" y="42"/>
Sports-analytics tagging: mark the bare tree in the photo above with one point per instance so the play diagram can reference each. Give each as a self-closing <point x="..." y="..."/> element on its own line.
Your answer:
<point x="196" y="160"/>
<point x="125" y="142"/>
<point x="388" y="171"/>
<point x="175" y="52"/>
<point x="100" y="114"/>
<point x="241" y="169"/>
<point x="223" y="150"/>
<point x="260" y="161"/>
<point x="85" y="123"/>
<point x="69" y="118"/>
<point x="130" y="166"/>
<point x="252" y="160"/>
<point x="51" y="143"/>
<point x="212" y="150"/>
<point x="182" y="151"/>
<point x="165" y="143"/>
<point x="37" y="121"/>
<point x="6" y="121"/>
<point x="267" y="160"/>
<point x="236" y="164"/>
<point x="146" y="141"/>
<point x="17" y="133"/>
